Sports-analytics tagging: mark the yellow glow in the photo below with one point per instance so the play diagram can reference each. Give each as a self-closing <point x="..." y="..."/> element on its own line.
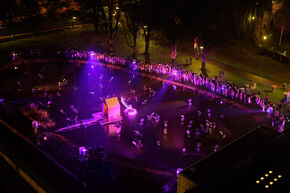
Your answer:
<point x="265" y="37"/>
<point x="279" y="176"/>
<point x="262" y="178"/>
<point x="257" y="181"/>
<point x="201" y="47"/>
<point x="270" y="172"/>
<point x="266" y="175"/>
<point x="267" y="186"/>
<point x="117" y="8"/>
<point x="74" y="17"/>
<point x="275" y="179"/>
<point x="145" y="26"/>
<point x="253" y="18"/>
<point x="271" y="183"/>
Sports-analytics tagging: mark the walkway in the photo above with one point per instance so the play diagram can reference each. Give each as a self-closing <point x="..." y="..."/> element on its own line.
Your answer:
<point x="246" y="75"/>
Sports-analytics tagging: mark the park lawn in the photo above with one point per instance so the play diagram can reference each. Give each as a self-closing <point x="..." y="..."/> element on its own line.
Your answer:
<point x="246" y="57"/>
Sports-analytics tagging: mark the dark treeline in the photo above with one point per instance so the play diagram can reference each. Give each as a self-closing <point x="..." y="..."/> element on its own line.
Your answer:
<point x="176" y="20"/>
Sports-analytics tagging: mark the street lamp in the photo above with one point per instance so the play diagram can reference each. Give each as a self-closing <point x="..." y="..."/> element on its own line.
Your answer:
<point x="73" y="21"/>
<point x="264" y="37"/>
<point x="145" y="29"/>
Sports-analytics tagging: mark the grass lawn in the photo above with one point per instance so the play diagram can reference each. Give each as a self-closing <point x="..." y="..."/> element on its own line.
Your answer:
<point x="247" y="57"/>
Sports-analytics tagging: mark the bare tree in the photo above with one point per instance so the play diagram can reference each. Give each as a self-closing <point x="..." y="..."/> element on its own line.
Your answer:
<point x="94" y="7"/>
<point x="208" y="28"/>
<point x="132" y="17"/>
<point x="111" y="16"/>
<point x="173" y="35"/>
<point x="149" y="11"/>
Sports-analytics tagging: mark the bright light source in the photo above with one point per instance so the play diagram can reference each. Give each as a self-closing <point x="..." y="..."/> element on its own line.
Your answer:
<point x="257" y="181"/>
<point x="178" y="171"/>
<point x="201" y="47"/>
<point x="267" y="186"/>
<point x="279" y="176"/>
<point x="275" y="179"/>
<point x="253" y="18"/>
<point x="270" y="172"/>
<point x="145" y="26"/>
<point x="117" y="8"/>
<point x="265" y="37"/>
<point x="74" y="17"/>
<point x="262" y="178"/>
<point x="270" y="183"/>
<point x="92" y="53"/>
<point x="266" y="175"/>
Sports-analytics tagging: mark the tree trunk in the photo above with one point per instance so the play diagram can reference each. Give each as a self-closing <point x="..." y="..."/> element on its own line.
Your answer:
<point x="134" y="54"/>
<point x="96" y="19"/>
<point x="203" y="63"/>
<point x="173" y="60"/>
<point x="147" y="58"/>
<point x="147" y="35"/>
<point x="111" y="46"/>
<point x="173" y="53"/>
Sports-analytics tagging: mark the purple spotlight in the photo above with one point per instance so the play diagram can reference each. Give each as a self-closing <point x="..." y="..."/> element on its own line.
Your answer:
<point x="178" y="171"/>
<point x="92" y="53"/>
<point x="131" y="112"/>
<point x="83" y="151"/>
<point x="270" y="110"/>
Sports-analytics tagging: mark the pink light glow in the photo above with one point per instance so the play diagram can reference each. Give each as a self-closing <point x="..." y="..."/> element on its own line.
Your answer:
<point x="131" y="111"/>
<point x="83" y="151"/>
<point x="92" y="53"/>
<point x="178" y="171"/>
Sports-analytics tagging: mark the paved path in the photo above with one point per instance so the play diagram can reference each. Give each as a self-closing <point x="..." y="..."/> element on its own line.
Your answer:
<point x="12" y="37"/>
<point x="246" y="75"/>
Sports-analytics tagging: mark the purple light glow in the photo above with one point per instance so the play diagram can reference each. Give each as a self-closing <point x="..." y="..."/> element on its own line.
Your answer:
<point x="270" y="110"/>
<point x="92" y="53"/>
<point x="178" y="171"/>
<point x="130" y="111"/>
<point x="83" y="151"/>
